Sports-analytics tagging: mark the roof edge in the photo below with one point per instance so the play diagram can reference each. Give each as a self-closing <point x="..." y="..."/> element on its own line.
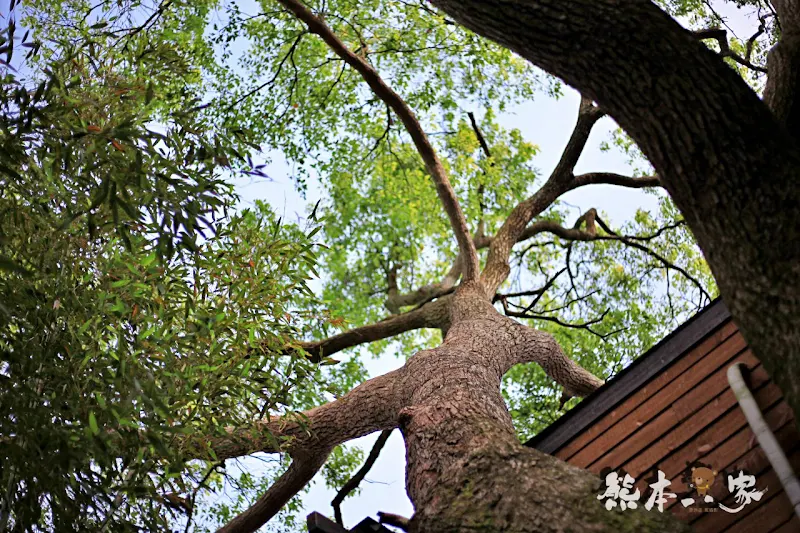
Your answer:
<point x="620" y="387"/>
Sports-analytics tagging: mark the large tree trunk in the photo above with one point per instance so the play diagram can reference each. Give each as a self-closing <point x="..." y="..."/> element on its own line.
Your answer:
<point x="466" y="469"/>
<point x="729" y="162"/>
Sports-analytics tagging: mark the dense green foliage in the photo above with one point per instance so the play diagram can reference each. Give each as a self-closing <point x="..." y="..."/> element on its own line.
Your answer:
<point x="138" y="305"/>
<point x="133" y="300"/>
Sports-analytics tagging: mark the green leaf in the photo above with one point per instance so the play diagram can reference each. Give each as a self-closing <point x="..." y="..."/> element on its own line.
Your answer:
<point x="93" y="423"/>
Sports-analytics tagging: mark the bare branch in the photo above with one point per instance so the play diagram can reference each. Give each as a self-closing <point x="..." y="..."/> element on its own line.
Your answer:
<point x="576" y="234"/>
<point x="721" y="36"/>
<point x="278" y="71"/>
<point x="303" y="468"/>
<point x="762" y="27"/>
<point x="488" y="154"/>
<point x="479" y="135"/>
<point x="497" y="267"/>
<point x="583" y="325"/>
<point x="353" y="483"/>
<point x="506" y="296"/>
<point x="630" y="242"/>
<point x="162" y="8"/>
<point x="435" y="168"/>
<point x="538" y="293"/>
<point x="422" y="317"/>
<point x="609" y="178"/>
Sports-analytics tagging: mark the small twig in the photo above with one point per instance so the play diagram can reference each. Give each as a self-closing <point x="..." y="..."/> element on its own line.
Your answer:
<point x="157" y="13"/>
<point x="488" y="154"/>
<point x="721" y="36"/>
<point x="762" y="27"/>
<point x="271" y="81"/>
<point x="583" y="325"/>
<point x="479" y="135"/>
<point x="193" y="498"/>
<point x="358" y="477"/>
<point x="544" y="290"/>
<point x="655" y="255"/>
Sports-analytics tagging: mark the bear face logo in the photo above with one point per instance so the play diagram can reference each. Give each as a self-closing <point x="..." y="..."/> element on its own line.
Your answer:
<point x="702" y="479"/>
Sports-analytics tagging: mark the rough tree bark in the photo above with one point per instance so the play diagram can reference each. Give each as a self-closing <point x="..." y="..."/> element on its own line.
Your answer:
<point x="729" y="160"/>
<point x="466" y="469"/>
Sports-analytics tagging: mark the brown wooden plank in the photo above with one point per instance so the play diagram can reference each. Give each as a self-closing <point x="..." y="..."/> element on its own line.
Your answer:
<point x="790" y="526"/>
<point x="632" y="378"/>
<point x="773" y="510"/>
<point x="650" y="388"/>
<point x="766" y="516"/>
<point x="696" y="387"/>
<point x="703" y="446"/>
<point x="700" y="422"/>
<point x="736" y="453"/>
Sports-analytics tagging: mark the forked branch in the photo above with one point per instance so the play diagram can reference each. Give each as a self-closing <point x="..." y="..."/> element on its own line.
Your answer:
<point x="559" y="182"/>
<point x="430" y="291"/>
<point x="721" y="36"/>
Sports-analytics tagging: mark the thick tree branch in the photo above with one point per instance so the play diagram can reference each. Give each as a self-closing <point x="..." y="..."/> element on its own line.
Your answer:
<point x="429" y="316"/>
<point x="435" y="168"/>
<point x="299" y="473"/>
<point x="783" y="62"/>
<point x="728" y="163"/>
<point x="542" y="348"/>
<point x="609" y="178"/>
<point x="353" y="483"/>
<point x="316" y="430"/>
<point x="394" y="520"/>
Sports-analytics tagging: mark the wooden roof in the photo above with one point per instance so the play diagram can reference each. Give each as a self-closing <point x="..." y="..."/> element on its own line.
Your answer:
<point x="629" y="380"/>
<point x="673" y="409"/>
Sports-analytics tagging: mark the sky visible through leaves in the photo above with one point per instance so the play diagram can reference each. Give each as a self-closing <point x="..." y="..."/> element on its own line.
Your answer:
<point x="545" y="121"/>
